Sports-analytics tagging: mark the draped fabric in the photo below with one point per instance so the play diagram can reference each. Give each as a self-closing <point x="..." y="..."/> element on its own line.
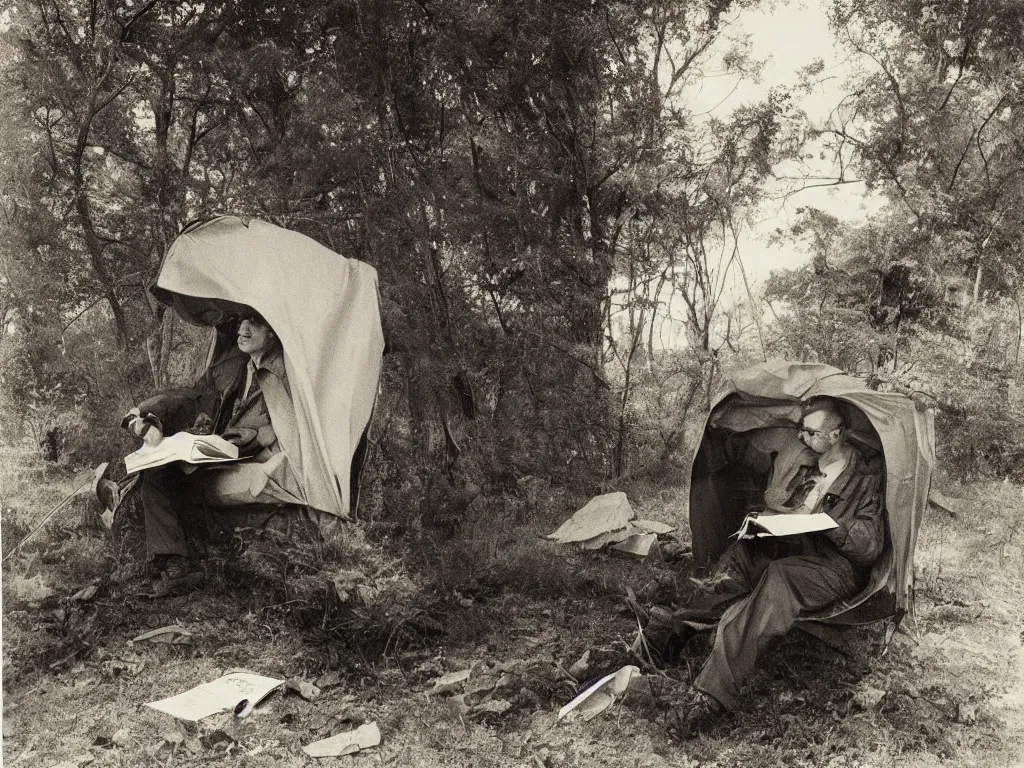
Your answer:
<point x="323" y="307"/>
<point x="764" y="401"/>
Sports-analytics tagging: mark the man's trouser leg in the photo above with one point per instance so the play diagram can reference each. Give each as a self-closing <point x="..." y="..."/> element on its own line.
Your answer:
<point x="164" y="491"/>
<point x="788" y="587"/>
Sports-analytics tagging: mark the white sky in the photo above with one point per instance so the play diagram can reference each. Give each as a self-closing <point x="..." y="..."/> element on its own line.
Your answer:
<point x="788" y="37"/>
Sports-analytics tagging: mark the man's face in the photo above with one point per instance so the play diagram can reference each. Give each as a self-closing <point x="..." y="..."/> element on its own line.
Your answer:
<point x="254" y="338"/>
<point x="816" y="433"/>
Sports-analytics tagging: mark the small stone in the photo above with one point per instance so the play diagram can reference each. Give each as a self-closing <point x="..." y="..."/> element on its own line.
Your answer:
<point x="868" y="698"/>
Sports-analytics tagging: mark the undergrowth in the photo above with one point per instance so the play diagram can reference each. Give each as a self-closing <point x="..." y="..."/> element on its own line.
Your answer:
<point x="392" y="604"/>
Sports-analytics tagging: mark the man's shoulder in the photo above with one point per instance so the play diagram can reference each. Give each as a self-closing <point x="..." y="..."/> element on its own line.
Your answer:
<point x="273" y="361"/>
<point x="797" y="454"/>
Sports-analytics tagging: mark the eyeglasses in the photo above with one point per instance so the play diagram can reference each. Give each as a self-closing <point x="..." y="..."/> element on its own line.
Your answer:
<point x="812" y="432"/>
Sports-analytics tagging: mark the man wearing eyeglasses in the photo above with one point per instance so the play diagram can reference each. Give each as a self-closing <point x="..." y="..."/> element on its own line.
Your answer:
<point x="765" y="584"/>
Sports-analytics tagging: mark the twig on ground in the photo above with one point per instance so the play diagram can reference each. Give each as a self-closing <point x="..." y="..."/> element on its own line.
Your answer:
<point x="39" y="526"/>
<point x="69" y="657"/>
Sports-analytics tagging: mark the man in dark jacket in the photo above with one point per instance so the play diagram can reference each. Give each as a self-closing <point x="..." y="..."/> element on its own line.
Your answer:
<point x="231" y="399"/>
<point x="764" y="584"/>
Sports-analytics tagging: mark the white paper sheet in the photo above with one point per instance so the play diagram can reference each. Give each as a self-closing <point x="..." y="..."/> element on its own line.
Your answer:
<point x="216" y="696"/>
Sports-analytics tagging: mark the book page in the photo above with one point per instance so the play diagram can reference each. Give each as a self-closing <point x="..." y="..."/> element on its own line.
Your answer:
<point x="784" y="525"/>
<point x="213" y="447"/>
<point x="789" y="525"/>
<point x="216" y="696"/>
<point x="181" y="446"/>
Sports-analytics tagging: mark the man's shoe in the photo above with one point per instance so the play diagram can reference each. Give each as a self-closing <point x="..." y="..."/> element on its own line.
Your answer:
<point x="177" y="577"/>
<point x="110" y="493"/>
<point x="694" y="715"/>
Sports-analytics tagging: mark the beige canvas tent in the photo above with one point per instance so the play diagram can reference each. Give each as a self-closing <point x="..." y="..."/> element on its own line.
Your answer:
<point x="325" y="310"/>
<point x="764" y="402"/>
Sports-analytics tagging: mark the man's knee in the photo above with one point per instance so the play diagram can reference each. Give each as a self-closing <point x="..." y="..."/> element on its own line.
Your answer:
<point x="778" y="572"/>
<point x="780" y="582"/>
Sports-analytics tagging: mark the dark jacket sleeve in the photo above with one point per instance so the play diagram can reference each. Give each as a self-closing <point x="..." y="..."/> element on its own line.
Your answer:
<point x="176" y="408"/>
<point x="720" y="449"/>
<point x="859" y="514"/>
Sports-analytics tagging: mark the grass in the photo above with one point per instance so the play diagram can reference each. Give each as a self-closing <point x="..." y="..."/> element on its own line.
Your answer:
<point x="388" y="614"/>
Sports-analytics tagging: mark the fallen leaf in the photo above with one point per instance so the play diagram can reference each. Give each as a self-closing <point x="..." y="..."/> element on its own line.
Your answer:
<point x="115" y="667"/>
<point x="168" y="634"/>
<point x="492" y="707"/>
<point x="868" y="698"/>
<point x="173" y="736"/>
<point x="328" y="679"/>
<point x="85" y="594"/>
<point x="508" y="680"/>
<point x="579" y="667"/>
<point x="350" y="742"/>
<point x="215" y="739"/>
<point x="620" y="680"/>
<point x="449" y="682"/>
<point x="306" y="690"/>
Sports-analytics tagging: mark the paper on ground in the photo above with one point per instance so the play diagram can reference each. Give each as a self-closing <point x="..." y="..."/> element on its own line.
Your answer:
<point x="653" y="526"/>
<point x="638" y="545"/>
<point x="598" y="697"/>
<point x="602" y="514"/>
<point x="363" y="737"/>
<point x="213" y="697"/>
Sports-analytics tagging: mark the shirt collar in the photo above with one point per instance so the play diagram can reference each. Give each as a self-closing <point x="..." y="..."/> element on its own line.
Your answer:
<point x="265" y="359"/>
<point x="837" y="457"/>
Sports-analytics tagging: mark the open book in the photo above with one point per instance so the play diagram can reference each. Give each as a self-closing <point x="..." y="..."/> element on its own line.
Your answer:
<point x="784" y="525"/>
<point x="182" y="446"/>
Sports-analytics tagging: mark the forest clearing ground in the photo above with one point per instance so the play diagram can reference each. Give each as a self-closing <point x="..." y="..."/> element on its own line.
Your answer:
<point x="949" y="692"/>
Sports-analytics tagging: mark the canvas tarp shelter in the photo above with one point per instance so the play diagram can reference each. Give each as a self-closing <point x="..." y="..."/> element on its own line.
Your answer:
<point x="764" y="401"/>
<point x="324" y="309"/>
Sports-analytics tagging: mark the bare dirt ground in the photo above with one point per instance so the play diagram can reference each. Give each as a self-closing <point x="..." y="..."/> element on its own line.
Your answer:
<point x="949" y="691"/>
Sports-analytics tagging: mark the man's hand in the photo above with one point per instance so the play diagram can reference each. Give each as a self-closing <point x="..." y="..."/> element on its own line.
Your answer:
<point x="147" y="427"/>
<point x="244" y="438"/>
<point x="128" y="418"/>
